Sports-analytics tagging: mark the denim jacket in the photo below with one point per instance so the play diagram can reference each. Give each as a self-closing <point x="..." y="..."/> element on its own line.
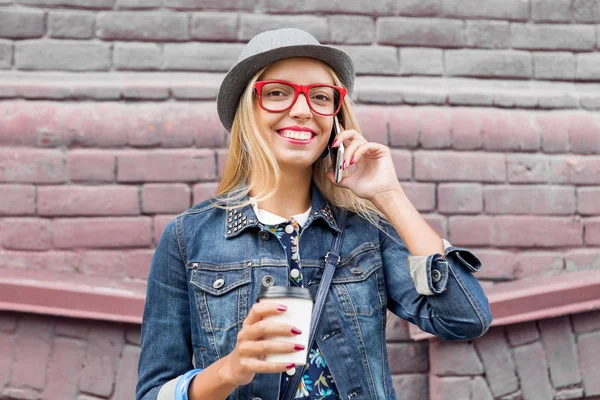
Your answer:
<point x="210" y="264"/>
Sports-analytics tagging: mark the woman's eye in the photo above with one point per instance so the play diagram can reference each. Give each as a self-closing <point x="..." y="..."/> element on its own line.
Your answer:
<point x="321" y="97"/>
<point x="275" y="93"/>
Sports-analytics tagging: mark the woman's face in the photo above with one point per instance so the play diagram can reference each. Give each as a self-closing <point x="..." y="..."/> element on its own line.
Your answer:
<point x="301" y="71"/>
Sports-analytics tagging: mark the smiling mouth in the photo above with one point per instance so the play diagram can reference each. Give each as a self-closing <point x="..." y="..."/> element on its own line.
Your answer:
<point x="296" y="136"/>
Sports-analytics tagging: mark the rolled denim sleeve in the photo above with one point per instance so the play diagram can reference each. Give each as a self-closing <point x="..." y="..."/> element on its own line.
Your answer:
<point x="453" y="306"/>
<point x="166" y="348"/>
<point x="430" y="273"/>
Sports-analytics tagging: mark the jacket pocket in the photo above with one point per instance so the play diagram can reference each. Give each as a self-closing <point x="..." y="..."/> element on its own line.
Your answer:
<point x="358" y="281"/>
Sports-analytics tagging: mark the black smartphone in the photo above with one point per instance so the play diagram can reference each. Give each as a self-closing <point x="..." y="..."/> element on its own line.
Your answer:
<point x="336" y="153"/>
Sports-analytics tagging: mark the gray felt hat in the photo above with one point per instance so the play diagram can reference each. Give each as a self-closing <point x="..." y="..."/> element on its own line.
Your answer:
<point x="271" y="46"/>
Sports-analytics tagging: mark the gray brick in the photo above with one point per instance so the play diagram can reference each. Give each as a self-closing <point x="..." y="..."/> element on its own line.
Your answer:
<point x="408" y="357"/>
<point x="96" y="4"/>
<point x="62" y="55"/>
<point x="551" y="10"/>
<point x="499" y="366"/>
<point x="550" y="65"/>
<point x="138" y="4"/>
<point x="380" y="60"/>
<point x="71" y="25"/>
<point x="488" y="34"/>
<point x="251" y="25"/>
<point x="380" y="7"/>
<point x="21" y="24"/>
<point x="588" y="66"/>
<point x="449" y="358"/>
<point x="559" y="343"/>
<point x="588" y="346"/>
<point x="480" y="389"/>
<point x="494" y="9"/>
<point x="420" y="32"/>
<point x="586" y="10"/>
<point x="201" y="56"/>
<point x="489" y="63"/>
<point x="419" y="8"/>
<point x="6" y="51"/>
<point x="569" y="394"/>
<point x="210" y="4"/>
<point x="214" y="26"/>
<point x="553" y="37"/>
<point x="411" y="386"/>
<point x="533" y="371"/>
<point x="420" y="61"/>
<point x="143" y="25"/>
<point x="588" y="321"/>
<point x="522" y="333"/>
<point x="352" y="29"/>
<point x="137" y="56"/>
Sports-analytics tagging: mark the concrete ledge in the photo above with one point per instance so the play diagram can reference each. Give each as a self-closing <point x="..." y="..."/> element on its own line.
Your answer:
<point x="534" y="299"/>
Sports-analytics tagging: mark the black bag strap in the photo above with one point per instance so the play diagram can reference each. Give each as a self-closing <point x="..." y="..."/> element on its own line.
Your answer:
<point x="332" y="259"/>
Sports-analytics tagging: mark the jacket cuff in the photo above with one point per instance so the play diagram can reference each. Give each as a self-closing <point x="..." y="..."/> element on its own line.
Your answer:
<point x="177" y="389"/>
<point x="462" y="256"/>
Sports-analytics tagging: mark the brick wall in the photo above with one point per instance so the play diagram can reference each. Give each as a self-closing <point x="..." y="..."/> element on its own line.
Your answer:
<point x="109" y="129"/>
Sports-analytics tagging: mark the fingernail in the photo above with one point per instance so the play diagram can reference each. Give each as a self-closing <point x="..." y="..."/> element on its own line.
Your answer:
<point x="282" y="308"/>
<point x="344" y="165"/>
<point x="290" y="366"/>
<point x="298" y="347"/>
<point x="334" y="143"/>
<point x="352" y="161"/>
<point x="296" y="331"/>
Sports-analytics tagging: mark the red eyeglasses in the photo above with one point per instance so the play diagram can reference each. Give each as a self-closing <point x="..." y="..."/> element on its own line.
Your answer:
<point x="279" y="95"/>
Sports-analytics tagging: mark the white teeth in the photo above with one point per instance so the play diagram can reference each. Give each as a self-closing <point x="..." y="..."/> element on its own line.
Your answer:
<point x="296" y="135"/>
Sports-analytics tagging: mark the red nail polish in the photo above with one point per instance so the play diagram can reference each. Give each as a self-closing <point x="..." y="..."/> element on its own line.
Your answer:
<point x="334" y="143"/>
<point x="281" y="307"/>
<point x="296" y="331"/>
<point x="352" y="161"/>
<point x="290" y="366"/>
<point x="298" y="347"/>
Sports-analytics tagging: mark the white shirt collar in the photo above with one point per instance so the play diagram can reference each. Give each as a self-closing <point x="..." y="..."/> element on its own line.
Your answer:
<point x="268" y="218"/>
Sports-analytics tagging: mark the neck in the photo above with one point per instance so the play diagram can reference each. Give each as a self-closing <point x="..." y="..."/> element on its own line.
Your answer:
<point x="293" y="196"/>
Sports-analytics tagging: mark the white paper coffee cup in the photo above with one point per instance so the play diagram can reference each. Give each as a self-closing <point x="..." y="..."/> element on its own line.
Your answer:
<point x="299" y="304"/>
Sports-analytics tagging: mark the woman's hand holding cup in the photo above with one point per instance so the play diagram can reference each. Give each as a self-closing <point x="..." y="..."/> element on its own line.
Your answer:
<point x="254" y="344"/>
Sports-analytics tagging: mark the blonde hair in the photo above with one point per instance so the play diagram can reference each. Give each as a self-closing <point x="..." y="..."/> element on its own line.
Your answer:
<point x="259" y="159"/>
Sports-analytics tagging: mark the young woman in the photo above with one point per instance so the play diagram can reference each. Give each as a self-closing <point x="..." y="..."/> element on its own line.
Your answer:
<point x="273" y="221"/>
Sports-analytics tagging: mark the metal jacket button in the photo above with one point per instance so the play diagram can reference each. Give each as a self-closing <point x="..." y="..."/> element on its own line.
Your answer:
<point x="218" y="283"/>
<point x="268" y="280"/>
<point x="356" y="271"/>
<point x="264" y="235"/>
<point x="436" y="275"/>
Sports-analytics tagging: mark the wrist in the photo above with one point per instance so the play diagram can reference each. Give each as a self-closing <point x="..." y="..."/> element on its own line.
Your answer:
<point x="226" y="373"/>
<point x="388" y="198"/>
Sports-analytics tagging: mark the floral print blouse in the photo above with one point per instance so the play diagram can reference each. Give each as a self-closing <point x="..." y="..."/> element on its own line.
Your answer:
<point x="316" y="382"/>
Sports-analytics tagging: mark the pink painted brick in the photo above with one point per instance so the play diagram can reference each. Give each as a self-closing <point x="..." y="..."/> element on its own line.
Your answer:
<point x="592" y="231"/>
<point x="6" y="357"/>
<point x="497" y="264"/>
<point x="533" y="372"/>
<point x="71" y="327"/>
<point x="454" y="166"/>
<point x="98" y="375"/>
<point x="421" y="195"/>
<point x="221" y="161"/>
<point x="555" y="131"/>
<point x="402" y="160"/>
<point x="117" y="264"/>
<point x="102" y="232"/>
<point x="499" y="129"/>
<point x="31" y="166"/>
<point x="588" y="346"/>
<point x="127" y="373"/>
<point x="91" y="166"/>
<point x="537" y="265"/>
<point x="30" y="124"/>
<point x="587" y="200"/>
<point x="522" y="333"/>
<point x="31" y="351"/>
<point x="435" y="127"/>
<point x="17" y="199"/>
<point x="94" y="124"/>
<point x="584" y="133"/>
<point x="25" y="233"/>
<point x="460" y="198"/>
<point x="449" y="388"/>
<point x="438" y="223"/>
<point x="8" y="322"/>
<point x="396" y="329"/>
<point x="586" y="322"/>
<point x="373" y="122"/>
<point x="408" y="357"/>
<point x="166" y="166"/>
<point x="471" y="231"/>
<point x="558" y="200"/>
<point x="204" y="191"/>
<point x="160" y="223"/>
<point x="206" y="125"/>
<point x="411" y="386"/>
<point x="498" y="362"/>
<point x="582" y="260"/>
<point x="404" y="127"/>
<point x="465" y="129"/>
<point x="561" y="352"/>
<point x="529" y="168"/>
<point x="584" y="170"/>
<point x="529" y="231"/>
<point x="448" y="358"/>
<point x="55" y="261"/>
<point x="165" y="198"/>
<point x="88" y="200"/>
<point x="63" y="369"/>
